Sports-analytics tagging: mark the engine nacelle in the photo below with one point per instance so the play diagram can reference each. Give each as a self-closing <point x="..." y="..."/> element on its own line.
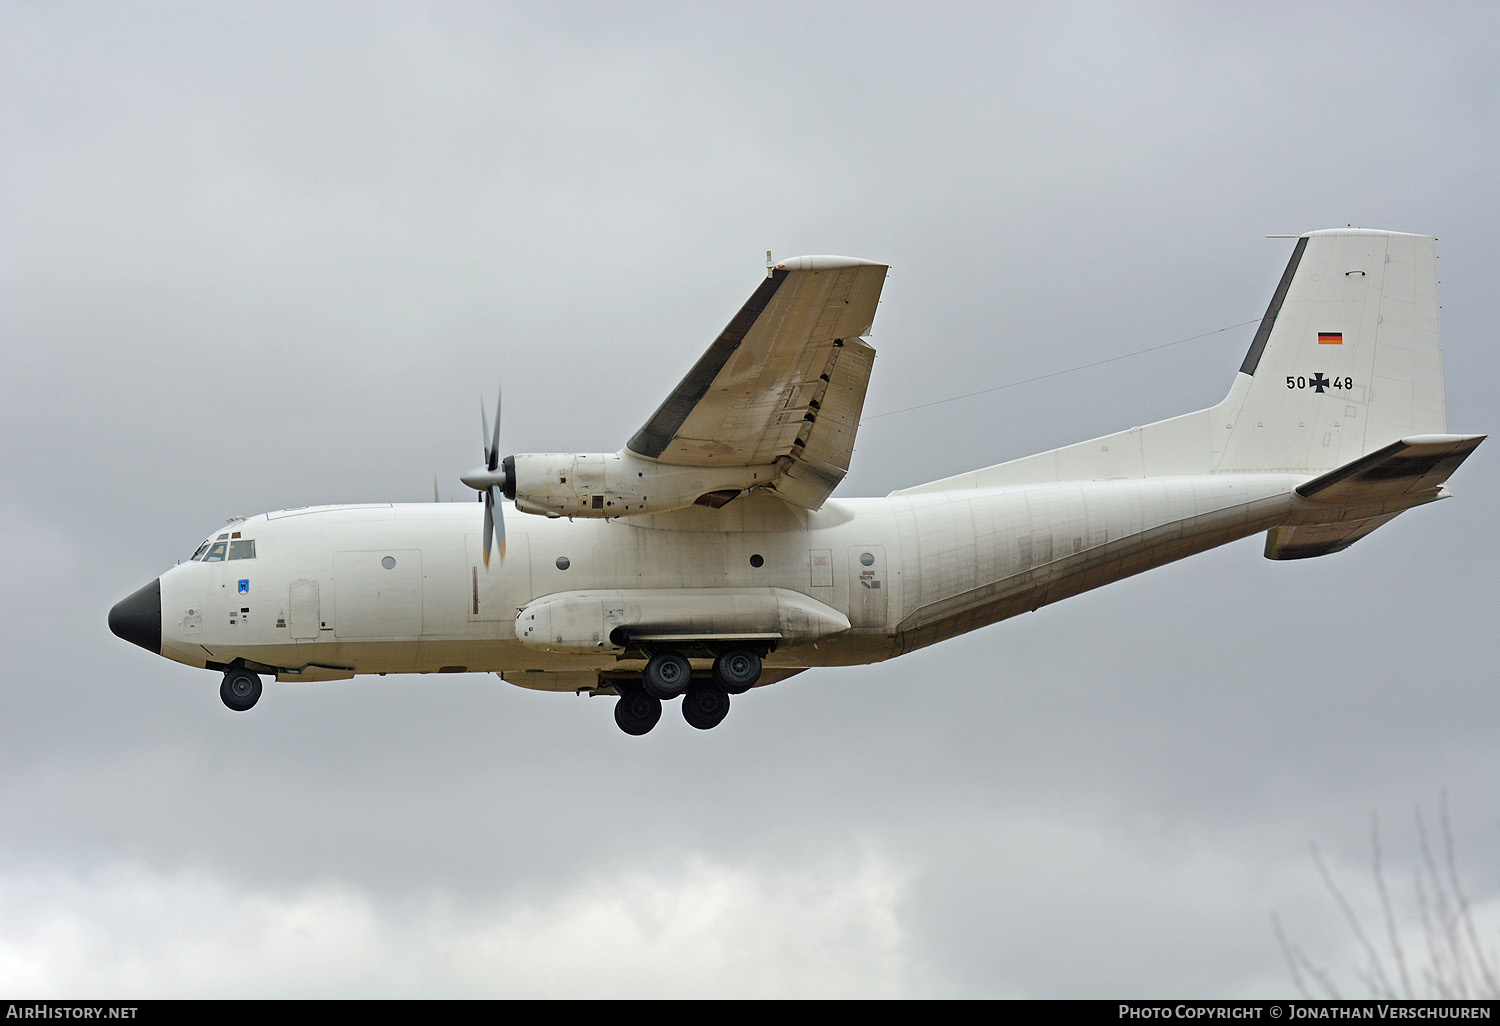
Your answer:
<point x="617" y="484"/>
<point x="595" y="621"/>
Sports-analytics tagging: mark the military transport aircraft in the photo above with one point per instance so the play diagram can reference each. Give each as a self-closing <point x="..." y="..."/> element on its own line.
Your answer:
<point x="706" y="556"/>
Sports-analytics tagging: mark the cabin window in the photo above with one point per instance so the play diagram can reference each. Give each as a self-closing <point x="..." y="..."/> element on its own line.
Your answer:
<point x="243" y="549"/>
<point x="562" y="563"/>
<point x="216" y="552"/>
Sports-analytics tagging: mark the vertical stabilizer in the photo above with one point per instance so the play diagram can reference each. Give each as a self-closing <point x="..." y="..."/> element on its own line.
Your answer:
<point x="1347" y="360"/>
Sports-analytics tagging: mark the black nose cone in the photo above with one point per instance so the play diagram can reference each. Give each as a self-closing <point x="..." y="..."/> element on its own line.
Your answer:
<point x="137" y="619"/>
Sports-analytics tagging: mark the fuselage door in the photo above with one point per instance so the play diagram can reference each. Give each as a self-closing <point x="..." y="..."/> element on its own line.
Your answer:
<point x="303" y="614"/>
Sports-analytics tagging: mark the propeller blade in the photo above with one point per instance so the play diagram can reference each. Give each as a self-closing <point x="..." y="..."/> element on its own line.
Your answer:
<point x="482" y="479"/>
<point x="494" y="526"/>
<point x="484" y="433"/>
<point x="492" y="455"/>
<point x="489" y="525"/>
<point x="495" y="498"/>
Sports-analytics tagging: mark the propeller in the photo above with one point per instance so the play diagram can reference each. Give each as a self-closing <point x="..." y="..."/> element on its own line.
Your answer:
<point x="492" y="480"/>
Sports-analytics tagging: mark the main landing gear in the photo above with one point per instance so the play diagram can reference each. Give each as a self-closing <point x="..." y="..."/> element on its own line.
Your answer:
<point x="240" y="690"/>
<point x="668" y="675"/>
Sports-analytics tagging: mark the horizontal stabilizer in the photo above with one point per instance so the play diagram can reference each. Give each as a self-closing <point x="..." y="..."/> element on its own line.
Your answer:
<point x="1370" y="491"/>
<point x="1310" y="540"/>
<point x="1405" y="467"/>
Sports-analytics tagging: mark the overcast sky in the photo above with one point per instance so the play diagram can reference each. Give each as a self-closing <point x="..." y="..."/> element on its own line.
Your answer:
<point x="264" y="255"/>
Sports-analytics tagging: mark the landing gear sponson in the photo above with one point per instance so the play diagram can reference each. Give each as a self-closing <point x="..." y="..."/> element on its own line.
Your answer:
<point x="669" y="675"/>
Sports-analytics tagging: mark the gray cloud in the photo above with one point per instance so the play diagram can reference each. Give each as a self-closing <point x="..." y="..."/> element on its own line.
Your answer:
<point x="260" y="256"/>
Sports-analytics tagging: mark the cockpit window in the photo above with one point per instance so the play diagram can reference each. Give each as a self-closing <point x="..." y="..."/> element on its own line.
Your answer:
<point x="216" y="550"/>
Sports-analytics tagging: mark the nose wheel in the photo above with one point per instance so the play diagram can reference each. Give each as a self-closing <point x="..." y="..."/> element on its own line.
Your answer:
<point x="240" y="690"/>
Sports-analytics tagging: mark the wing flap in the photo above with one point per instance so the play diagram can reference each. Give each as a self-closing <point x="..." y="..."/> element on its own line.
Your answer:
<point x="783" y="383"/>
<point x="822" y="451"/>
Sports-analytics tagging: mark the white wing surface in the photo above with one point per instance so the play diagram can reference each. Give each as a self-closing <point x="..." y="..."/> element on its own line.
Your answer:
<point x="782" y="385"/>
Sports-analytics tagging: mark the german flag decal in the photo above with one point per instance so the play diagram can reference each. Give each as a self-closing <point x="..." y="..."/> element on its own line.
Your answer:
<point x="1330" y="338"/>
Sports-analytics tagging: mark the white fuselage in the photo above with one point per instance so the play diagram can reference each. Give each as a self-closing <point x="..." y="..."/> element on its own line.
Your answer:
<point x="706" y="556"/>
<point x="384" y="588"/>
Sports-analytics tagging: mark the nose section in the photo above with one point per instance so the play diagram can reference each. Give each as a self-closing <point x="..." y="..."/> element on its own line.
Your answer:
<point x="137" y="619"/>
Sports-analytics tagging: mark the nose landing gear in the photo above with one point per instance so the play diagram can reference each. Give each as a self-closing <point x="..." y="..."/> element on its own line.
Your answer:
<point x="240" y="690"/>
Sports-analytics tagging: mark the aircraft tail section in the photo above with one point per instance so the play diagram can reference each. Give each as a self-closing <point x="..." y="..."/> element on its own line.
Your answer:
<point x="1347" y="360"/>
<point x="1348" y="357"/>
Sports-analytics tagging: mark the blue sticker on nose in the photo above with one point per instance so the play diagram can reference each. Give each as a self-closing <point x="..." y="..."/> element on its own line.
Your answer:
<point x="245" y="586"/>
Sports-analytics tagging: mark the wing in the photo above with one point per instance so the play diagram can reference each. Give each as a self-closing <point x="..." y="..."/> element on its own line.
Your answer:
<point x="782" y="385"/>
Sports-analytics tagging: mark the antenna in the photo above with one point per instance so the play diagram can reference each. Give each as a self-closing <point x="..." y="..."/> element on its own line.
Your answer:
<point x="769" y="265"/>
